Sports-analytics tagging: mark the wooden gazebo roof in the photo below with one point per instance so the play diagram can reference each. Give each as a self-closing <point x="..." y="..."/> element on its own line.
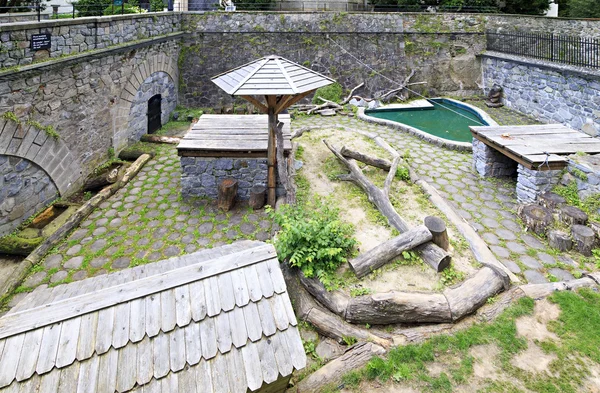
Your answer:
<point x="270" y="75"/>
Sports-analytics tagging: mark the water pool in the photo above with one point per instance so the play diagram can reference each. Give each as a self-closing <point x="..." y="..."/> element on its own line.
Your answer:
<point x="449" y="120"/>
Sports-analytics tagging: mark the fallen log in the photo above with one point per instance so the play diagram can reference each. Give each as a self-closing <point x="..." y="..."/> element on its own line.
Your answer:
<point x="101" y="180"/>
<point x="355" y="357"/>
<point x="367" y="159"/>
<point x="171" y="140"/>
<point x="133" y="154"/>
<point x="387" y="251"/>
<point x="430" y="253"/>
<point x="351" y="94"/>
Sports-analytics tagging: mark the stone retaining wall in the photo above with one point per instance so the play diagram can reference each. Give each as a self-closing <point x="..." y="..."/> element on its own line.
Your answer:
<point x="69" y="36"/>
<point x="200" y="176"/>
<point x="24" y="189"/>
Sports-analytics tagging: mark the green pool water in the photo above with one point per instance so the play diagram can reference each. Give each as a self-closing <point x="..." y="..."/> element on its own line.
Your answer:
<point x="445" y="122"/>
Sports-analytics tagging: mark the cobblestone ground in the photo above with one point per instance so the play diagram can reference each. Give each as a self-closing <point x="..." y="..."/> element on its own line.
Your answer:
<point x="143" y="222"/>
<point x="489" y="205"/>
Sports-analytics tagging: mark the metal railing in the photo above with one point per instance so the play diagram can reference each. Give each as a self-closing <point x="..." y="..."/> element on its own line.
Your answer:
<point x="578" y="51"/>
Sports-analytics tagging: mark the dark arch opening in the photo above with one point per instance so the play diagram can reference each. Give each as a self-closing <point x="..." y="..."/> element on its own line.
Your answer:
<point x="154" y="114"/>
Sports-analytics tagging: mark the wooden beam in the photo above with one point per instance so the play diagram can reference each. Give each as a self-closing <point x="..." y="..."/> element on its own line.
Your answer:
<point x="262" y="107"/>
<point x="291" y="102"/>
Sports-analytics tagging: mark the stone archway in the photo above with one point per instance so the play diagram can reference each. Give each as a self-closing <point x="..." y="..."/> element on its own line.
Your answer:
<point x="160" y="63"/>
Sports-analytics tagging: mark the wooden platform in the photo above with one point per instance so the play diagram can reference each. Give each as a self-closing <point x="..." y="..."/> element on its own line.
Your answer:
<point x="231" y="136"/>
<point x="537" y="147"/>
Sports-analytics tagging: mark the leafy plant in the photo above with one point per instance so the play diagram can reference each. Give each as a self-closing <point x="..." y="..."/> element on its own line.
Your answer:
<point x="49" y="130"/>
<point x="331" y="92"/>
<point x="313" y="238"/>
<point x="157" y="5"/>
<point x="451" y="276"/>
<point x="125" y="9"/>
<point x="349" y="340"/>
<point x="360" y="291"/>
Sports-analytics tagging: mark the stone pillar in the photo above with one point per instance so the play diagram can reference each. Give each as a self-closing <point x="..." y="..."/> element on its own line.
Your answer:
<point x="489" y="162"/>
<point x="532" y="183"/>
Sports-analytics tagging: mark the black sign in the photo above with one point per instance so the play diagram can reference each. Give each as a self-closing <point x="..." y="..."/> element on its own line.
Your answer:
<point x="40" y="41"/>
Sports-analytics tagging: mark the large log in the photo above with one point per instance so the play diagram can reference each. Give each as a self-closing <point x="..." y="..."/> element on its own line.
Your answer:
<point x="439" y="234"/>
<point x="367" y="159"/>
<point x="227" y="191"/>
<point x="99" y="181"/>
<point x="584" y="239"/>
<point x="354" y="358"/>
<point x="387" y="251"/>
<point x="132" y="154"/>
<point x="171" y="140"/>
<point x="433" y="255"/>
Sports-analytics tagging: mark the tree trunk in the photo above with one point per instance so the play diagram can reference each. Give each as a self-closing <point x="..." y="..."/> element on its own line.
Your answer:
<point x="171" y="140"/>
<point x="551" y="200"/>
<point x="257" y="197"/>
<point x="536" y="218"/>
<point x="354" y="358"/>
<point x="369" y="160"/>
<point x="387" y="251"/>
<point x="132" y="154"/>
<point x="570" y="215"/>
<point x="227" y="191"/>
<point x="584" y="239"/>
<point x="437" y="227"/>
<point x="97" y="182"/>
<point x="559" y="240"/>
<point x="431" y="254"/>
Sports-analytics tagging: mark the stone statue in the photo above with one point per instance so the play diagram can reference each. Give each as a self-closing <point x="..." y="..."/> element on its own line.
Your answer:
<point x="494" y="98"/>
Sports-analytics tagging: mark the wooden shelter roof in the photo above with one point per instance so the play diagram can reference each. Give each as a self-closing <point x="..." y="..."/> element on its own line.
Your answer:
<point x="215" y="320"/>
<point x="230" y="134"/>
<point x="538" y="147"/>
<point x="270" y="75"/>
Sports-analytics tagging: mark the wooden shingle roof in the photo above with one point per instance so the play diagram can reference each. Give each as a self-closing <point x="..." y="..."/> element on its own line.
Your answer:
<point x="215" y="320"/>
<point x="270" y="75"/>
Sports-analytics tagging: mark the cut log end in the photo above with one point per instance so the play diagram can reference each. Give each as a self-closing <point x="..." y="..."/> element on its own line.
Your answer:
<point x="560" y="240"/>
<point x="437" y="227"/>
<point x="257" y="197"/>
<point x="584" y="238"/>
<point x="551" y="200"/>
<point x="570" y="215"/>
<point x="227" y="191"/>
<point x="536" y="218"/>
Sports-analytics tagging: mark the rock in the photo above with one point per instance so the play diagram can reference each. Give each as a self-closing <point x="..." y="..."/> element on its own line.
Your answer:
<point x="373" y="104"/>
<point x="327" y="112"/>
<point x="328" y="349"/>
<point x="308" y="335"/>
<point x="359" y="103"/>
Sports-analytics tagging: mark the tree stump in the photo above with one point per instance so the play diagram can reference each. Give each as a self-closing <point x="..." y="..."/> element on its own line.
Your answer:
<point x="595" y="227"/>
<point x="257" y="197"/>
<point x="551" y="200"/>
<point x="559" y="240"/>
<point x="571" y="215"/>
<point x="227" y="191"/>
<point x="536" y="218"/>
<point x="584" y="239"/>
<point x="437" y="227"/>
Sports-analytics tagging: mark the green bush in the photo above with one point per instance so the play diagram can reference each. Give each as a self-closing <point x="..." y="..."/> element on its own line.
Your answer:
<point x="314" y="239"/>
<point x="331" y="92"/>
<point x="91" y="7"/>
<point x="157" y="5"/>
<point x="126" y="9"/>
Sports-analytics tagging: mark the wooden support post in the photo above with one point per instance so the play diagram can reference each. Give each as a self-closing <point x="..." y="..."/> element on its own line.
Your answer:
<point x="437" y="227"/>
<point x="227" y="192"/>
<point x="271" y="156"/>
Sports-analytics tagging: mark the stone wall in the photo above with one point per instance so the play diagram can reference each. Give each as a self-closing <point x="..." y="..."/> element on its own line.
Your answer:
<point x="541" y="24"/>
<point x="70" y="36"/>
<point x="22" y="17"/>
<point x="201" y="175"/>
<point x="441" y="49"/>
<point x="157" y="83"/>
<point x="546" y="91"/>
<point x="24" y="189"/>
<point x="584" y="170"/>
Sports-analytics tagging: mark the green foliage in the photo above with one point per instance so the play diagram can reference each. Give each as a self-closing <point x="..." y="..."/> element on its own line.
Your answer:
<point x="450" y="276"/>
<point x="331" y="92"/>
<point x="126" y="9"/>
<point x="360" y="291"/>
<point x="49" y="130"/>
<point x="11" y="116"/>
<point x="579" y="8"/>
<point x="579" y="174"/>
<point x="91" y="7"/>
<point x="157" y="5"/>
<point x="590" y="205"/>
<point x="310" y="348"/>
<point x="532" y="7"/>
<point x="349" y="340"/>
<point x="253" y="5"/>
<point x="313" y="238"/>
<point x="403" y="173"/>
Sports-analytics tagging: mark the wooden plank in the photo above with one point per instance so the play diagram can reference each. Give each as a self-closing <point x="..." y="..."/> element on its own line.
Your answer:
<point x="289" y="310"/>
<point x="254" y="288"/>
<point x="282" y="355"/>
<point x="226" y="294"/>
<point x="48" y="348"/>
<point x="121" y="327"/>
<point x="208" y="338"/>
<point x="211" y="294"/>
<point x="168" y="312"/>
<point x="160" y="355"/>
<point x="87" y="336"/>
<point x="267" y="321"/>
<point x="30" y="385"/>
<point x="177" y="349"/>
<point x="153" y="318"/>
<point x="264" y="278"/>
<point x="268" y="363"/>
<point x="145" y="363"/>
<point x="49" y="382"/>
<point x="88" y="375"/>
<point x="236" y="373"/>
<point x="240" y="288"/>
<point x="67" y="344"/>
<point x="221" y="145"/>
<point x="220" y="374"/>
<point x="276" y="276"/>
<point x="170" y="383"/>
<point x="193" y="349"/>
<point x="187" y="381"/>
<point x="223" y="330"/>
<point x="279" y="312"/>
<point x="137" y="319"/>
<point x="68" y="308"/>
<point x="104" y="334"/>
<point x="127" y="370"/>
<point x="68" y="378"/>
<point x="522" y="130"/>
<point x="183" y="308"/>
<point x="204" y="374"/>
<point x="107" y="372"/>
<point x="252" y="366"/>
<point x="197" y="300"/>
<point x="10" y="359"/>
<point x="29" y="354"/>
<point x="237" y="322"/>
<point x="561" y="148"/>
<point x="253" y="324"/>
<point x="294" y="343"/>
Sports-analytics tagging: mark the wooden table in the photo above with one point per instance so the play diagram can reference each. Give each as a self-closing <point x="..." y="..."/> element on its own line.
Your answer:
<point x="537" y="147"/>
<point x="231" y="136"/>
